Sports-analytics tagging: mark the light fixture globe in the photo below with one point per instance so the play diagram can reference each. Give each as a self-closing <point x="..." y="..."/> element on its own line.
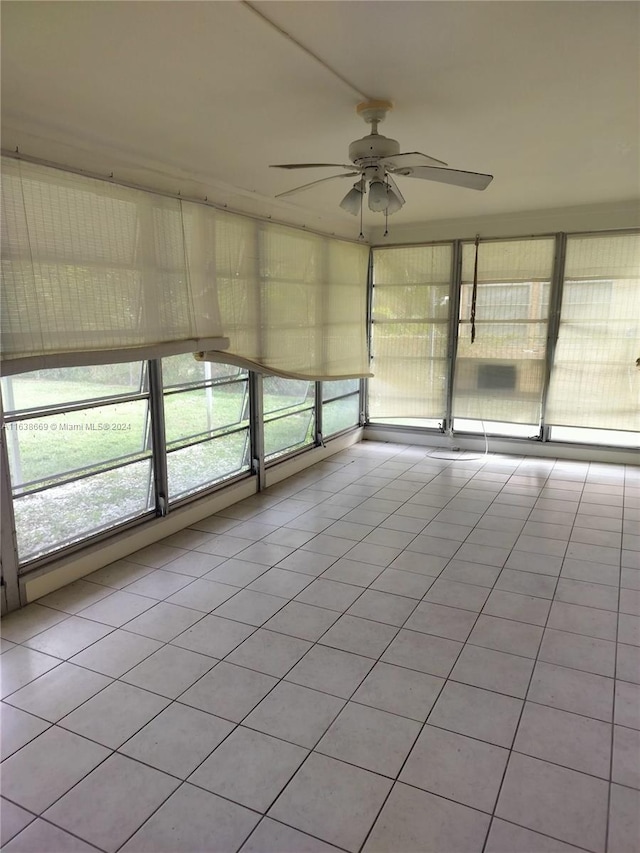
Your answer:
<point x="378" y="197"/>
<point x="395" y="201"/>
<point x="352" y="202"/>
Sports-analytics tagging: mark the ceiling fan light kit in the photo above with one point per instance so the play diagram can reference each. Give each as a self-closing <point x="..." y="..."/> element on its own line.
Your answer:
<point x="377" y="159"/>
<point x="378" y="200"/>
<point x="352" y="202"/>
<point x="396" y="199"/>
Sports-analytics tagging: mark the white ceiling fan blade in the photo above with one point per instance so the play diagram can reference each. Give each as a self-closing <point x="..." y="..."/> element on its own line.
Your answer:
<point x="313" y="183"/>
<point x="470" y="180"/>
<point x="311" y="166"/>
<point x="413" y="158"/>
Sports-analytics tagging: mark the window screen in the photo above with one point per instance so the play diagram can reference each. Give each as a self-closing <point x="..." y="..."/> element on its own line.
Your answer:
<point x="595" y="382"/>
<point x="79" y="448"/>
<point x="340" y="406"/>
<point x="206" y="411"/>
<point x="289" y="415"/>
<point x="410" y="332"/>
<point x="500" y="376"/>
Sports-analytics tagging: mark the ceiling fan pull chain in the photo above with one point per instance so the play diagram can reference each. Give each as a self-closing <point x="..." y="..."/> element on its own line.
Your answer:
<point x="386" y="215"/>
<point x="474" y="292"/>
<point x="361" y="205"/>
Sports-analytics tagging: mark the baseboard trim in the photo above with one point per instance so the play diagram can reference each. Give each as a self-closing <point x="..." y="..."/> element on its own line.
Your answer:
<point x="496" y="444"/>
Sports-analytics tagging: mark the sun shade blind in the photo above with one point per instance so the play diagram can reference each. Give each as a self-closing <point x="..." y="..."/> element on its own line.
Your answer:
<point x="410" y="332"/>
<point x="595" y="381"/>
<point x="89" y="266"/>
<point x="500" y="377"/>
<point x="93" y="272"/>
<point x="291" y="303"/>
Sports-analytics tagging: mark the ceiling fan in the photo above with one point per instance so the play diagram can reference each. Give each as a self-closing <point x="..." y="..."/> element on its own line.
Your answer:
<point x="377" y="161"/>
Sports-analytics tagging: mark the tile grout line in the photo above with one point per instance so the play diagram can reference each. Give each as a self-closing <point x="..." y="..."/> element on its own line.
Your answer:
<point x="615" y="685"/>
<point x="524" y="702"/>
<point x="355" y="690"/>
<point x="403" y="623"/>
<point x="114" y="751"/>
<point x="422" y="728"/>
<point x="286" y="601"/>
<point x="522" y="712"/>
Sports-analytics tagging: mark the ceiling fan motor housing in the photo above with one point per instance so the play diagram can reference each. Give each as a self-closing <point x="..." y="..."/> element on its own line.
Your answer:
<point x="373" y="145"/>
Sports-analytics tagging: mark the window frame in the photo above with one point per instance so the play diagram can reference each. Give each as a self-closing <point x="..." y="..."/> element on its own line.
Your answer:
<point x="153" y="390"/>
<point x="50" y="482"/>
<point x="322" y="402"/>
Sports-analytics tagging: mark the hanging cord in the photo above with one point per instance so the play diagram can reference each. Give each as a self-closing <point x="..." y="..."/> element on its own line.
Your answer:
<point x="456" y="454"/>
<point x="361" y="207"/>
<point x="386" y="210"/>
<point x="453" y="449"/>
<point x="474" y="293"/>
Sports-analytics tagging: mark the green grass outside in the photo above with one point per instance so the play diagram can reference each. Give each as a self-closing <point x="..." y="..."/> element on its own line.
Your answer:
<point x="91" y="439"/>
<point x="43" y="448"/>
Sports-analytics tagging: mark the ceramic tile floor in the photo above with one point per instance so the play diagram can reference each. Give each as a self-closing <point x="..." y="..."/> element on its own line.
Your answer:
<point x="401" y="649"/>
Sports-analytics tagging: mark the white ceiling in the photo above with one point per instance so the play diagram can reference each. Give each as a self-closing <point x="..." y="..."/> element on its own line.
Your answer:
<point x="201" y="97"/>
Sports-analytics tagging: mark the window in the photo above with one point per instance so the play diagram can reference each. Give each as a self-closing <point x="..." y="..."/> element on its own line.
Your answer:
<point x="587" y="300"/>
<point x="603" y="437"/>
<point x="79" y="439"/>
<point x="595" y="383"/>
<point x="206" y="412"/>
<point x="79" y="448"/>
<point x="499" y="378"/>
<point x="410" y="333"/>
<point x="496" y="428"/>
<point x="289" y="406"/>
<point x="340" y="406"/>
<point x="79" y="443"/>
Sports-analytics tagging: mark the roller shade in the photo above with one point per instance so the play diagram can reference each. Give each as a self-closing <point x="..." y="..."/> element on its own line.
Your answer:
<point x="410" y="333"/>
<point x="89" y="266"/>
<point x="595" y="382"/>
<point x="92" y="268"/>
<point x="291" y="303"/>
<point x="500" y="377"/>
<point x="603" y="256"/>
<point x="509" y="260"/>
